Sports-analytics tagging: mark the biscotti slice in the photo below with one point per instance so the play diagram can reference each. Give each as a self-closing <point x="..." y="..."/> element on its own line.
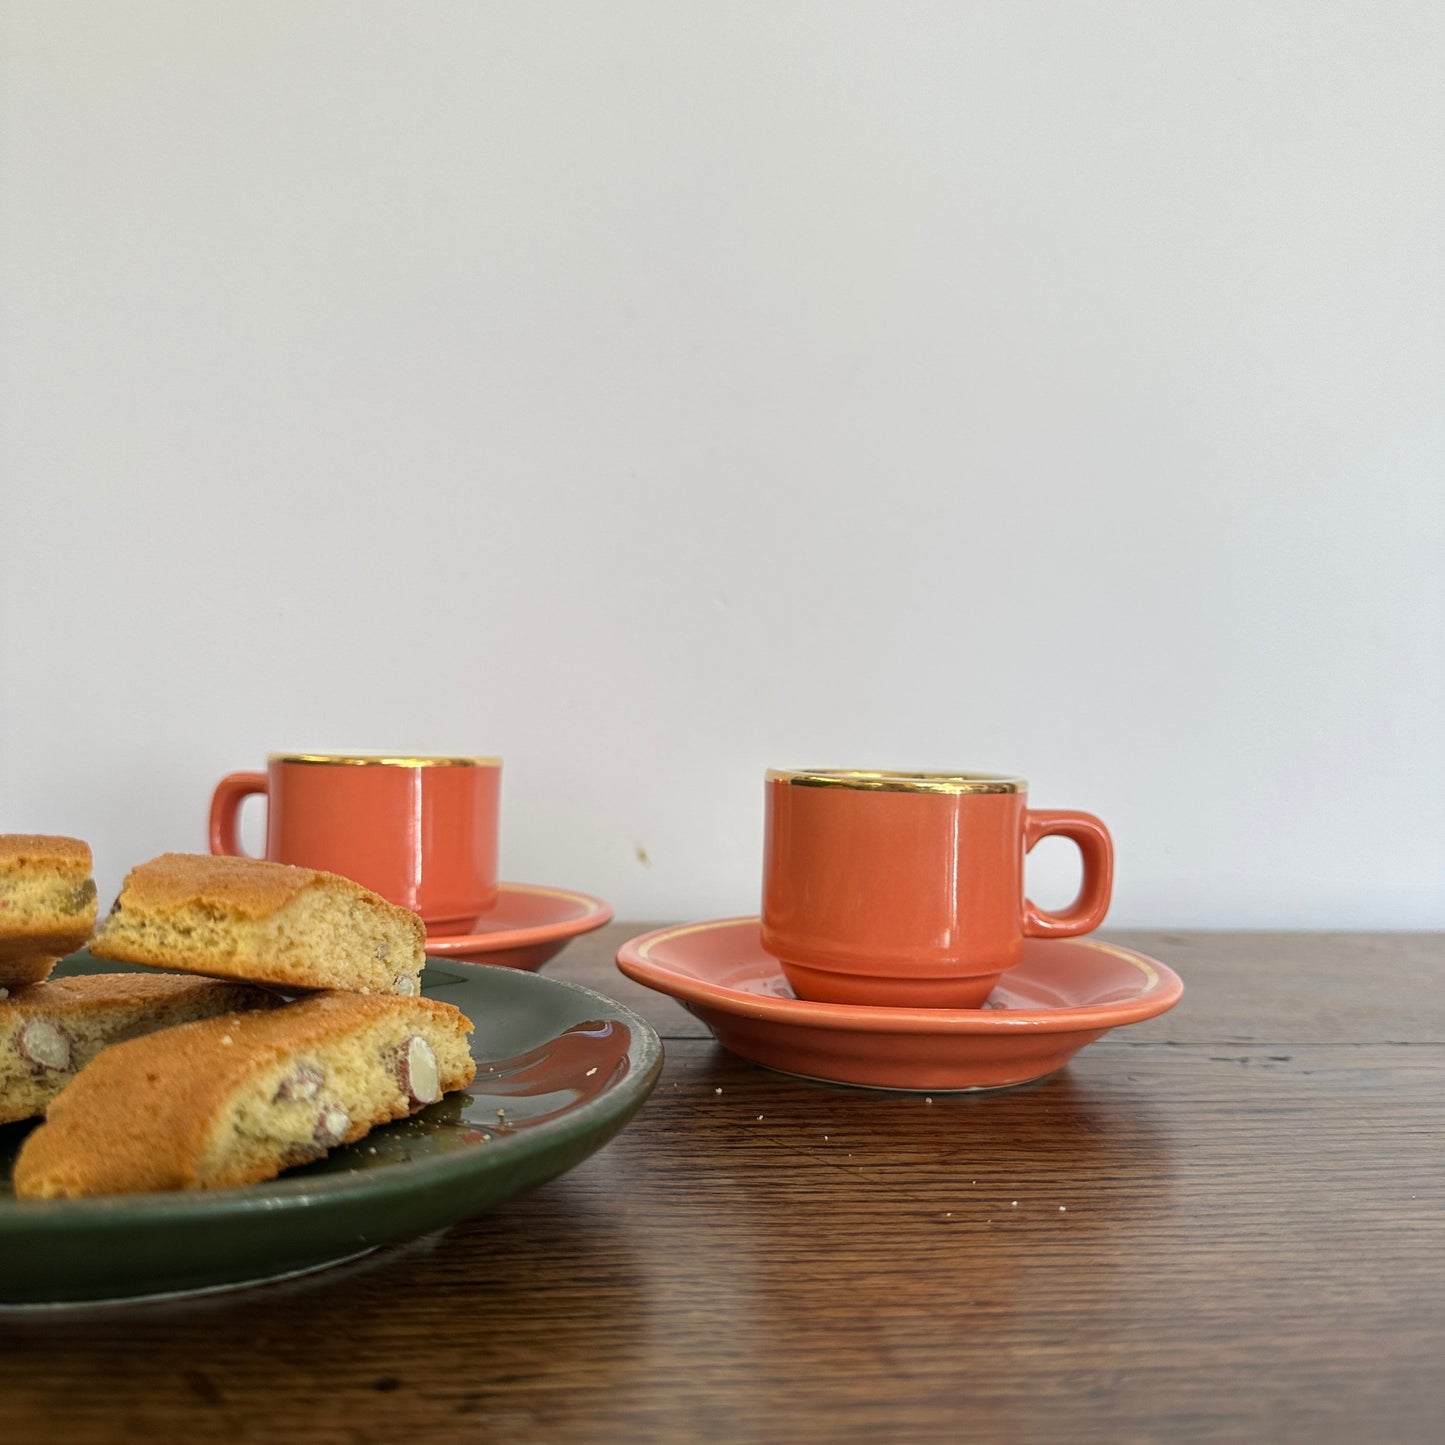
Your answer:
<point x="49" y="1031"/>
<point x="47" y="904"/>
<point x="265" y="922"/>
<point x="232" y="1101"/>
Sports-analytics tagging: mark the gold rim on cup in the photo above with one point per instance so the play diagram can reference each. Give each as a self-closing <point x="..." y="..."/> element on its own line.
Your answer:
<point x="889" y="782"/>
<point x="383" y="760"/>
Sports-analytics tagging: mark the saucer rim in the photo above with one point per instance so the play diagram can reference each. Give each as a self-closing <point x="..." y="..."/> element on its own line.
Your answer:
<point x="1163" y="989"/>
<point x="599" y="913"/>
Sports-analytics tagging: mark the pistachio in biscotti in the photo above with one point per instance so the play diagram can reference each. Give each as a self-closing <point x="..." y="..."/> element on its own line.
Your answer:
<point x="302" y="1083"/>
<point x="44" y="1045"/>
<point x="416" y="1071"/>
<point x="82" y="899"/>
<point x="331" y="1126"/>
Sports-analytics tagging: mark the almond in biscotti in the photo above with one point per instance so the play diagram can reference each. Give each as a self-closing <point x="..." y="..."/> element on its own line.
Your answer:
<point x="47" y="904"/>
<point x="235" y="1100"/>
<point x="295" y="928"/>
<point x="49" y="1031"/>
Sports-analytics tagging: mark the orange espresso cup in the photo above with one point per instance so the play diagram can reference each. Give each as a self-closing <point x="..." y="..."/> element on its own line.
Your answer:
<point x="421" y="832"/>
<point x="906" y="890"/>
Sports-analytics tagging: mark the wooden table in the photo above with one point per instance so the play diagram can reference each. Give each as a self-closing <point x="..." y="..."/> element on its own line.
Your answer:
<point x="1227" y="1223"/>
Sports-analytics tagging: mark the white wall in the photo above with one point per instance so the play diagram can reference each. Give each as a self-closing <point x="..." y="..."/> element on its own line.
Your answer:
<point x="654" y="392"/>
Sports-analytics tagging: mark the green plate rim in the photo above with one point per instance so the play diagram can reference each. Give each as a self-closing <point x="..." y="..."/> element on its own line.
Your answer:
<point x="30" y="1217"/>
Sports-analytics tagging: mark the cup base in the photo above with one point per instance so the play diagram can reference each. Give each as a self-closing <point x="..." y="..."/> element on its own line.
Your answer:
<point x="863" y="990"/>
<point x="454" y="924"/>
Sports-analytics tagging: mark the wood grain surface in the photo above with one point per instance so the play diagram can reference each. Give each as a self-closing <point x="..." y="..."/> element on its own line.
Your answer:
<point x="1227" y="1223"/>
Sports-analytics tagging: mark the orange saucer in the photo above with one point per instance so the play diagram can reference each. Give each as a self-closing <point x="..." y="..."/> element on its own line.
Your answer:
<point x="525" y="927"/>
<point x="1063" y="995"/>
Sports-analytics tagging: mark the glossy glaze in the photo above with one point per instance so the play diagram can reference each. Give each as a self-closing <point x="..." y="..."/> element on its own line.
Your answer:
<point x="422" y="833"/>
<point x="578" y="1064"/>
<point x="1062" y="995"/>
<point x="912" y="895"/>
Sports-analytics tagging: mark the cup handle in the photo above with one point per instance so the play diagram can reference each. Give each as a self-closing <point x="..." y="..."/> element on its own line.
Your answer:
<point x="1087" y="911"/>
<point x="226" y="802"/>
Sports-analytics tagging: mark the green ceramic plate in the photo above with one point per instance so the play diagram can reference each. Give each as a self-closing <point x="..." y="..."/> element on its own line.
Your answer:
<point x="560" y="1070"/>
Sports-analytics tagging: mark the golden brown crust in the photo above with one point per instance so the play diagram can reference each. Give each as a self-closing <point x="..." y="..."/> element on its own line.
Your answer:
<point x="142" y="1116"/>
<point x="266" y="922"/>
<point x="47" y="904"/>
<point x="50" y="1031"/>
<point x="28" y="954"/>
<point x="46" y="848"/>
<point x="98" y="992"/>
<point x="27" y="967"/>
<point x="247" y="887"/>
